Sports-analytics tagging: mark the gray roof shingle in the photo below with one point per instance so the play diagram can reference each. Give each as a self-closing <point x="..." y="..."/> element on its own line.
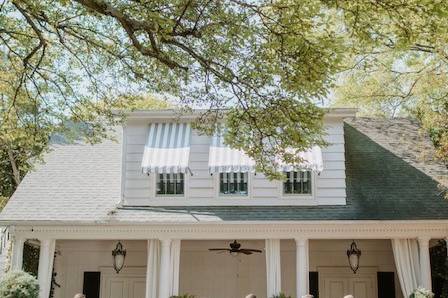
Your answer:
<point x="81" y="184"/>
<point x="404" y="138"/>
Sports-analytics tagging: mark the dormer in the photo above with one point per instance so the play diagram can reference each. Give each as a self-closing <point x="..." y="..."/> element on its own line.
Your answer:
<point x="167" y="163"/>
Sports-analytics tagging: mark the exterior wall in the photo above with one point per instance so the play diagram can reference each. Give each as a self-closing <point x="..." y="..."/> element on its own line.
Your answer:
<point x="73" y="258"/>
<point x="138" y="188"/>
<point x="209" y="274"/>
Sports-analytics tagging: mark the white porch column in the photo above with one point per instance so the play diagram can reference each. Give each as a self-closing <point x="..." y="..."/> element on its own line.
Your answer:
<point x="174" y="267"/>
<point x="44" y="275"/>
<point x="273" y="267"/>
<point x="152" y="268"/>
<point x="164" y="278"/>
<point x="425" y="264"/>
<point x="302" y="267"/>
<point x="17" y="253"/>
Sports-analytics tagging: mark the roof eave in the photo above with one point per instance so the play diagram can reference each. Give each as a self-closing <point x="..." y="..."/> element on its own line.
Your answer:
<point x="191" y="114"/>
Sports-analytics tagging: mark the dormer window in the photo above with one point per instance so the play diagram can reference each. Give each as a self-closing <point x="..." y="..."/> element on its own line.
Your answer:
<point x="233" y="184"/>
<point x="297" y="183"/>
<point x="170" y="184"/>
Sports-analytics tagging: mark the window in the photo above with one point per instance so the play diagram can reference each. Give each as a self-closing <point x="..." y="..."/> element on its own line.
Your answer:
<point x="233" y="184"/>
<point x="297" y="183"/>
<point x="170" y="184"/>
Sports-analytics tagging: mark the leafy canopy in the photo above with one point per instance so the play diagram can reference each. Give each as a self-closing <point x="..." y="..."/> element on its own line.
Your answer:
<point x="400" y="69"/>
<point x="269" y="62"/>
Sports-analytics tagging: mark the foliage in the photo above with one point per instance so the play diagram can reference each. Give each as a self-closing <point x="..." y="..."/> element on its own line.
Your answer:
<point x="64" y="57"/>
<point x="31" y="258"/>
<point x="3" y="201"/>
<point x="413" y="85"/>
<point x="421" y="293"/>
<point x="183" y="296"/>
<point x="19" y="284"/>
<point x="269" y="62"/>
<point x="26" y="136"/>
<point x="281" y="295"/>
<point x="439" y="269"/>
<point x="400" y="69"/>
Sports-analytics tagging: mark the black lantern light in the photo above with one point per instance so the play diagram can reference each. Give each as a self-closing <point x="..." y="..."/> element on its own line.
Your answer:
<point x="119" y="255"/>
<point x="353" y="255"/>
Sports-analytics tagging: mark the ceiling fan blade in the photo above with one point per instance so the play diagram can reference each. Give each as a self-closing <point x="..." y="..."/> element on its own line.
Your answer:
<point x="215" y="249"/>
<point x="245" y="251"/>
<point x="253" y="250"/>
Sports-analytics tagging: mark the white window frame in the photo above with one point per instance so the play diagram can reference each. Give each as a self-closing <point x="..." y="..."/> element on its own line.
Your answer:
<point x="234" y="197"/>
<point x="162" y="197"/>
<point x="306" y="197"/>
<point x="230" y="200"/>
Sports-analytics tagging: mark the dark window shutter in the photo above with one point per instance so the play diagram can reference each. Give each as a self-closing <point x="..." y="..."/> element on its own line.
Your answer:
<point x="91" y="286"/>
<point x="386" y="284"/>
<point x="314" y="284"/>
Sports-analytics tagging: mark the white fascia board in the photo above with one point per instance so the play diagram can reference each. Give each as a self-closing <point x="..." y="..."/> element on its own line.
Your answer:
<point x="184" y="114"/>
<point x="434" y="229"/>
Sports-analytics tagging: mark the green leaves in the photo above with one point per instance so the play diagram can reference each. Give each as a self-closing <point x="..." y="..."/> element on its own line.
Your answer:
<point x="275" y="133"/>
<point x="19" y="284"/>
<point x="269" y="61"/>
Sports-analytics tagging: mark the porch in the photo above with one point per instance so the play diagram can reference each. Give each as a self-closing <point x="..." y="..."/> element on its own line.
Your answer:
<point x="205" y="274"/>
<point x="183" y="264"/>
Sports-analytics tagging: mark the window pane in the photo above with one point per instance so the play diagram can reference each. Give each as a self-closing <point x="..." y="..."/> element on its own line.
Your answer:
<point x="297" y="182"/>
<point x="233" y="183"/>
<point x="170" y="184"/>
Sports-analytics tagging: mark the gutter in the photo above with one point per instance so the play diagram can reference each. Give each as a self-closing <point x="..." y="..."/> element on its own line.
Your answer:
<point x="216" y="223"/>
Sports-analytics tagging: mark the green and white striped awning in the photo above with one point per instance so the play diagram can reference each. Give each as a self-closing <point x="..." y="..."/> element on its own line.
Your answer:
<point x="167" y="149"/>
<point x="223" y="159"/>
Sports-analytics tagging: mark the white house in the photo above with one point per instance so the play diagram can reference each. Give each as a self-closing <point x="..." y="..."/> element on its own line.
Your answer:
<point x="168" y="195"/>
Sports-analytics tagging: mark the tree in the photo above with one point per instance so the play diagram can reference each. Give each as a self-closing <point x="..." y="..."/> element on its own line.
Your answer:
<point x="26" y="136"/>
<point x="269" y="62"/>
<point x="399" y="68"/>
<point x="412" y="85"/>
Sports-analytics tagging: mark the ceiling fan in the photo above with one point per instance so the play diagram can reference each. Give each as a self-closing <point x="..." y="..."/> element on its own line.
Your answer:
<point x="235" y="248"/>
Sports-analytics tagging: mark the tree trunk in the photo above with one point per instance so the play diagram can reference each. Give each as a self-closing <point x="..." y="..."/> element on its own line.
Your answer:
<point x="15" y="170"/>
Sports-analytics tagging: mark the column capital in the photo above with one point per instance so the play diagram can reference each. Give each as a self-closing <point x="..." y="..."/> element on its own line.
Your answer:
<point x="165" y="241"/>
<point x="423" y="240"/>
<point x="301" y="241"/>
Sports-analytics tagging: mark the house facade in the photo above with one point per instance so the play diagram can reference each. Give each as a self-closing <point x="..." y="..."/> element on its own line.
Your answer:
<point x="169" y="197"/>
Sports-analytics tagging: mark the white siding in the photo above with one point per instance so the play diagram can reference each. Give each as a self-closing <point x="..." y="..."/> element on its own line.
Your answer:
<point x="329" y="187"/>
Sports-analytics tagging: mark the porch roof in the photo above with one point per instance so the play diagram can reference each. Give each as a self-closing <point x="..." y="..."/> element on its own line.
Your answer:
<point x="381" y="185"/>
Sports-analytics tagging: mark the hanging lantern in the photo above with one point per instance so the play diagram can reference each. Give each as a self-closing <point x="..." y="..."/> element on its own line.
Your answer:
<point x="353" y="255"/>
<point x="119" y="255"/>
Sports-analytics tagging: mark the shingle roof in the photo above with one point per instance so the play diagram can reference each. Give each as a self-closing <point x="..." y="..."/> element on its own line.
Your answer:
<point x="404" y="138"/>
<point x="77" y="182"/>
<point x="81" y="183"/>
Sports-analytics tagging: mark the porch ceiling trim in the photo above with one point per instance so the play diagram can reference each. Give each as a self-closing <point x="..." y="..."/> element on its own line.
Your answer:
<point x="436" y="229"/>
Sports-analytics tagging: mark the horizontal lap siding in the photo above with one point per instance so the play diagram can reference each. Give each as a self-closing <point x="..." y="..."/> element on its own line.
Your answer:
<point x="330" y="185"/>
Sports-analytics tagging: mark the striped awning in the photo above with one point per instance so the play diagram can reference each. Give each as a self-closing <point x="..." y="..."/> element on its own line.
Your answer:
<point x="311" y="161"/>
<point x="223" y="159"/>
<point x="167" y="149"/>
